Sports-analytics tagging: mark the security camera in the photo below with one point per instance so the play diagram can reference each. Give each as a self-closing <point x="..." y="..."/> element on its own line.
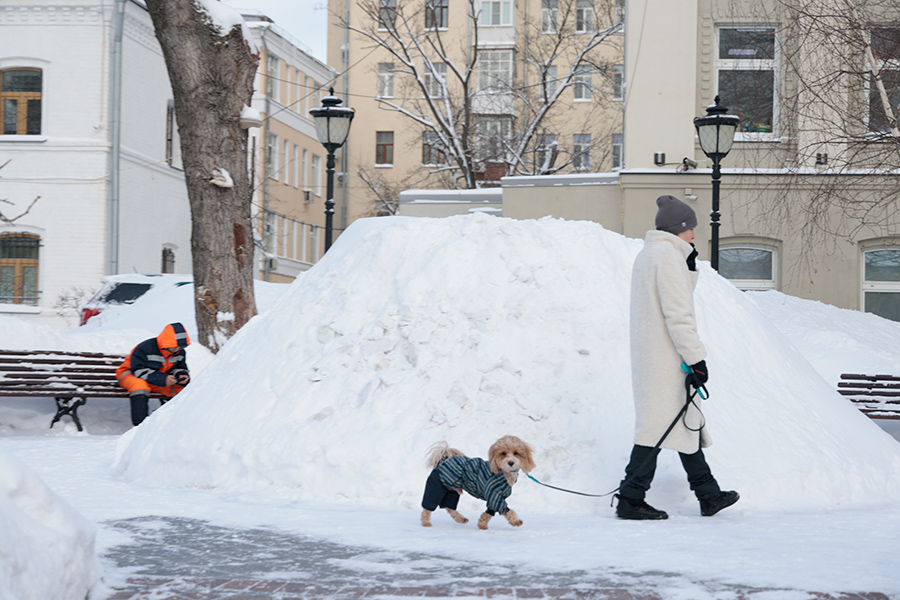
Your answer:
<point x="689" y="163"/>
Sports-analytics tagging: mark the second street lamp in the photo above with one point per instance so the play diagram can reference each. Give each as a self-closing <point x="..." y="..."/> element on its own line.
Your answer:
<point x="716" y="132"/>
<point x="332" y="127"/>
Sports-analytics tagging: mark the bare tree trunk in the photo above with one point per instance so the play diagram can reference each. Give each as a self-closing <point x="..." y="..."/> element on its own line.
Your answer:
<point x="211" y="73"/>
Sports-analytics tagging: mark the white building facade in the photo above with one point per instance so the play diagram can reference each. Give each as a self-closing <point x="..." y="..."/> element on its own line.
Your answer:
<point x="92" y="182"/>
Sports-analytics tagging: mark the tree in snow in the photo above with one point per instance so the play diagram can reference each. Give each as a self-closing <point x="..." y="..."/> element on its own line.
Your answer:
<point x="488" y="112"/>
<point x="832" y="102"/>
<point x="212" y="64"/>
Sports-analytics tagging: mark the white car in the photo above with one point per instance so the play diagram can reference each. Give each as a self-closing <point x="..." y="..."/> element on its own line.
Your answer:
<point x="123" y="290"/>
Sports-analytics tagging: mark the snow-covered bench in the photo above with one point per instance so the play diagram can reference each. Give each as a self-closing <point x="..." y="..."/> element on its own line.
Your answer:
<point x="877" y="396"/>
<point x="68" y="377"/>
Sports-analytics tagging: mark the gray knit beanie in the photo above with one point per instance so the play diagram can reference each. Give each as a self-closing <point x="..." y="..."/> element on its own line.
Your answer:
<point x="674" y="215"/>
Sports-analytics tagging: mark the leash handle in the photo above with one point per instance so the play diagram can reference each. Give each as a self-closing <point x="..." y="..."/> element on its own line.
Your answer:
<point x="700" y="390"/>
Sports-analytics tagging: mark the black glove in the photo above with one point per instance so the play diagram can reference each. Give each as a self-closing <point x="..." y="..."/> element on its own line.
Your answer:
<point x="692" y="261"/>
<point x="699" y="374"/>
<point x="182" y="378"/>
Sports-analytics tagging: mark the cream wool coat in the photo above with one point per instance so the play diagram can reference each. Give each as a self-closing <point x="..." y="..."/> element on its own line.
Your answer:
<point x="664" y="335"/>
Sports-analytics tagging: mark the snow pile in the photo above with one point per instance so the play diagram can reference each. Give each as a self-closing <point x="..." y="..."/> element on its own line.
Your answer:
<point x="412" y="331"/>
<point x="47" y="548"/>
<point x="225" y="18"/>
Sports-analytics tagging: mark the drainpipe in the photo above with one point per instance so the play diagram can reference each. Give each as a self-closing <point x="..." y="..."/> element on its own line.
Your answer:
<point x="266" y="159"/>
<point x="115" y="144"/>
<point x="344" y="158"/>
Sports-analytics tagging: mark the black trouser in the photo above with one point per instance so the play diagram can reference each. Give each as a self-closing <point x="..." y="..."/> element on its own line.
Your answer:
<point x="438" y="495"/>
<point x="642" y="467"/>
<point x="140" y="407"/>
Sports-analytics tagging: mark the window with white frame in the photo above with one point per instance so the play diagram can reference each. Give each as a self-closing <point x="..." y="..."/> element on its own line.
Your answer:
<point x="384" y="148"/>
<point x="885" y="43"/>
<point x="436" y="13"/>
<point x="272" y="77"/>
<point x="496" y="12"/>
<point x="746" y="76"/>
<point x="618" y="151"/>
<point x="288" y="166"/>
<point x="316" y="168"/>
<point x="295" y="171"/>
<point x="584" y="16"/>
<point x="493" y="133"/>
<point x="620" y="11"/>
<point x="549" y="16"/>
<point x="582" y="87"/>
<point x="435" y="82"/>
<point x="304" y="170"/>
<point x="495" y="70"/>
<point x="173" y="139"/>
<point x="581" y="152"/>
<point x="387" y="14"/>
<point x="619" y="82"/>
<point x="20" y="101"/>
<point x="272" y="155"/>
<point x="551" y="82"/>
<point x="881" y="281"/>
<point x="385" y="80"/>
<point x="317" y="94"/>
<point x="748" y="266"/>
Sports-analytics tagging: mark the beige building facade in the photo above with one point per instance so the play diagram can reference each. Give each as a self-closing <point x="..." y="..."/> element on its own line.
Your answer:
<point x="287" y="161"/>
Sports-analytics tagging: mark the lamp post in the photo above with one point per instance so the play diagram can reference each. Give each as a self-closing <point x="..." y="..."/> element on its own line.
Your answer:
<point x="716" y="132"/>
<point x="332" y="127"/>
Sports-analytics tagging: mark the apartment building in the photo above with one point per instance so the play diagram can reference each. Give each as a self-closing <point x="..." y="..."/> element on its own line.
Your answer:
<point x="457" y="95"/>
<point x="287" y="160"/>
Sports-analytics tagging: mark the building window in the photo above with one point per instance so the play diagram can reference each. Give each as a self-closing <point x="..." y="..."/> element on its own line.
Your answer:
<point x="19" y="268"/>
<point x="748" y="266"/>
<point x="493" y="135"/>
<point x="618" y="151"/>
<point x="432" y="153"/>
<point x="745" y="68"/>
<point x="584" y="16"/>
<point x="619" y="82"/>
<point x="551" y="82"/>
<point x="295" y="172"/>
<point x="287" y="162"/>
<point x="435" y="82"/>
<point x="885" y="43"/>
<point x="272" y="155"/>
<point x="385" y="80"/>
<point x="384" y="148"/>
<point x="620" y="11"/>
<point x="581" y="152"/>
<point x="20" y="101"/>
<point x="168" y="261"/>
<point x="316" y="168"/>
<point x="881" y="285"/>
<point x="496" y="12"/>
<point x="582" y="86"/>
<point x="304" y="181"/>
<point x="387" y="14"/>
<point x="272" y="77"/>
<point x="436" y="12"/>
<point x="495" y="70"/>
<point x="173" y="139"/>
<point x="549" y="16"/>
<point x="547" y="150"/>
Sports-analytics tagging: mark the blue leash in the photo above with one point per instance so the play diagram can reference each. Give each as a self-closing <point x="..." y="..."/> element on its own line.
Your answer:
<point x="690" y="398"/>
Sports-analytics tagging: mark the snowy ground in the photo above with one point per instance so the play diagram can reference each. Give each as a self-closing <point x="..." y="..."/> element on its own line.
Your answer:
<point x="553" y="296"/>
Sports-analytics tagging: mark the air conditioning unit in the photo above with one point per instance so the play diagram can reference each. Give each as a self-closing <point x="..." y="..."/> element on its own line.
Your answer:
<point x="272" y="264"/>
<point x="307" y="196"/>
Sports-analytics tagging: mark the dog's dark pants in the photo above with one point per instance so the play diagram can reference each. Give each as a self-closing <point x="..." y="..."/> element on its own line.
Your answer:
<point x="436" y="494"/>
<point x="638" y="478"/>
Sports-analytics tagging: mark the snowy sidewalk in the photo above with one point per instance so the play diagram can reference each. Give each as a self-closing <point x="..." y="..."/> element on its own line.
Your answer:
<point x="174" y="558"/>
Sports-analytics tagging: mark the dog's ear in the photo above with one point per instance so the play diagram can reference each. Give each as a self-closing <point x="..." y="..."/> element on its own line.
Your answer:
<point x="527" y="457"/>
<point x="494" y="457"/>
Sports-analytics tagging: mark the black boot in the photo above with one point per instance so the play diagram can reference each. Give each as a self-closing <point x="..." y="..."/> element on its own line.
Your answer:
<point x="713" y="504"/>
<point x="637" y="510"/>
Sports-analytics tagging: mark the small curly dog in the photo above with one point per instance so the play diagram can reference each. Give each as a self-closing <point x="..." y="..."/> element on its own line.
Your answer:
<point x="489" y="480"/>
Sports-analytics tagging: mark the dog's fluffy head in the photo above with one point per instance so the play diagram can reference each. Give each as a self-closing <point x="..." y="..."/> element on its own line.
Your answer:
<point x="509" y="454"/>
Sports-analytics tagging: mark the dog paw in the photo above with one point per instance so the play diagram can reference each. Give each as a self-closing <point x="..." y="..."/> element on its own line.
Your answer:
<point x="516" y="522"/>
<point x="483" y="521"/>
<point x="457" y="516"/>
<point x="513" y="518"/>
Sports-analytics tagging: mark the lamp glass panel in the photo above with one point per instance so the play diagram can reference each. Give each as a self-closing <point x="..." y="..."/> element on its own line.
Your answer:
<point x="340" y="127"/>
<point x="726" y="138"/>
<point x="708" y="135"/>
<point x="321" y="128"/>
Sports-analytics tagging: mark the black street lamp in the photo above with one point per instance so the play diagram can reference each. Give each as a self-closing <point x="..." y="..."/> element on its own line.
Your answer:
<point x="332" y="127"/>
<point x="716" y="132"/>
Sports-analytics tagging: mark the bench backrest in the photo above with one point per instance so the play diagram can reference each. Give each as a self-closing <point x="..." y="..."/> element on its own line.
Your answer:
<point x="878" y="396"/>
<point x="59" y="374"/>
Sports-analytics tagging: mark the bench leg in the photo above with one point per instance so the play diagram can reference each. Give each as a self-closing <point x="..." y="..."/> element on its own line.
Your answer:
<point x="68" y="406"/>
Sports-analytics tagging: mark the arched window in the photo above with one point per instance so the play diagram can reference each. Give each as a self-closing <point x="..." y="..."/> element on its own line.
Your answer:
<point x="748" y="266"/>
<point x="881" y="281"/>
<point x="20" y="101"/>
<point x="19" y="268"/>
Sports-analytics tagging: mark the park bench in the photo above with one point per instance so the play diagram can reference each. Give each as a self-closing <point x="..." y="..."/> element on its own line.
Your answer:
<point x="70" y="378"/>
<point x="877" y="396"/>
